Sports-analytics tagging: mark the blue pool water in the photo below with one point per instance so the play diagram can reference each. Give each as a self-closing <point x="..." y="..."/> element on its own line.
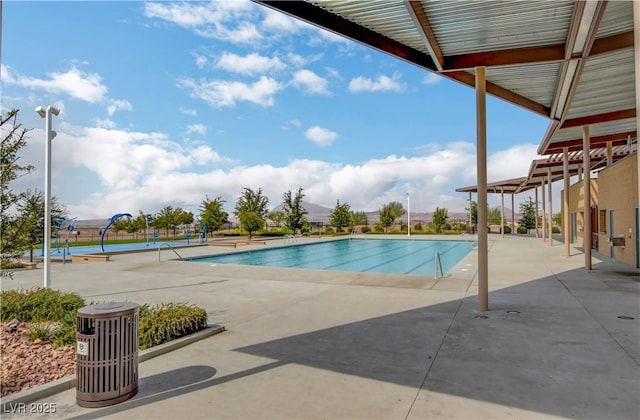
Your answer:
<point x="414" y="257"/>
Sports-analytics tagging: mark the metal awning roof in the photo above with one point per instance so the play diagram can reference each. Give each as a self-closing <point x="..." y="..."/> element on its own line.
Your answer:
<point x="508" y="186"/>
<point x="539" y="169"/>
<point x="570" y="61"/>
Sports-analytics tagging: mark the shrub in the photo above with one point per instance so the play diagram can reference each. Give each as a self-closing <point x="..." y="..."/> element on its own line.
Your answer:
<point x="8" y="265"/>
<point x="365" y="229"/>
<point x="38" y="304"/>
<point x="522" y="230"/>
<point x="328" y="229"/>
<point x="417" y="227"/>
<point x="53" y="314"/>
<point x="41" y="330"/>
<point x="378" y="228"/>
<point x="555" y="229"/>
<point x="162" y="323"/>
<point x="507" y="229"/>
<point x="275" y="233"/>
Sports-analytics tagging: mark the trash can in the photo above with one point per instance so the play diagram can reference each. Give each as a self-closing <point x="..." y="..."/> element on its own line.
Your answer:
<point x="107" y="354"/>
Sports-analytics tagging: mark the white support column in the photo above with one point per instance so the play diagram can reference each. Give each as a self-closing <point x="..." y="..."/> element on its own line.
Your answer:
<point x="537" y="210"/>
<point x="636" y="50"/>
<point x="566" y="229"/>
<point x="544" y="214"/>
<point x="550" y="208"/>
<point x="580" y="173"/>
<point x="513" y="213"/>
<point x="470" y="214"/>
<point x="586" y="163"/>
<point x="483" y="235"/>
<point x="502" y="211"/>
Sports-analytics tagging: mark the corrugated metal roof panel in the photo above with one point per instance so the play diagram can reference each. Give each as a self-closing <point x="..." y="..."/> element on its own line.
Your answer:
<point x="388" y="18"/>
<point x="600" y="129"/>
<point x="475" y="26"/>
<point x="616" y="18"/>
<point x="607" y="84"/>
<point x="536" y="82"/>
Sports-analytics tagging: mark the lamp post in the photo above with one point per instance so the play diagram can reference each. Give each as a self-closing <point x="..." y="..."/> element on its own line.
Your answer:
<point x="408" y="215"/>
<point x="48" y="137"/>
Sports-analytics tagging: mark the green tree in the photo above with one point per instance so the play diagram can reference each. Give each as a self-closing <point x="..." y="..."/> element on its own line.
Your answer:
<point x="557" y="219"/>
<point x="164" y="219"/>
<point x="213" y="214"/>
<point x="277" y="217"/>
<point x="251" y="210"/>
<point x="359" y="218"/>
<point x="440" y="219"/>
<point x="123" y="224"/>
<point x="294" y="212"/>
<point x="390" y="212"/>
<point x="29" y="222"/>
<point x="14" y="138"/>
<point x="494" y="216"/>
<point x="340" y="216"/>
<point x="181" y="217"/>
<point x="528" y="214"/>
<point x="139" y="224"/>
<point x="474" y="212"/>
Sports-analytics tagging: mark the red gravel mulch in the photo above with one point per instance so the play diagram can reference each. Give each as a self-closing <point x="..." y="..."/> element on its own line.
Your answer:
<point x="26" y="364"/>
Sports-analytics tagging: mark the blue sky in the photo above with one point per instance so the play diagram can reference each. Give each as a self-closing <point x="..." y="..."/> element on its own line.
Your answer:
<point x="164" y="103"/>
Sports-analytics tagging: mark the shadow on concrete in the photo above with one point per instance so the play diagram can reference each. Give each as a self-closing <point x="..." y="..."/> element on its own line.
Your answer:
<point x="545" y="346"/>
<point x="542" y="347"/>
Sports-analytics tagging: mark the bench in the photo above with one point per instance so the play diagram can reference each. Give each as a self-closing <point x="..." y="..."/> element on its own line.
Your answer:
<point x="89" y="258"/>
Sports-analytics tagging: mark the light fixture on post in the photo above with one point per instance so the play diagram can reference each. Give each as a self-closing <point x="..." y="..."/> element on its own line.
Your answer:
<point x="48" y="137"/>
<point x="408" y="215"/>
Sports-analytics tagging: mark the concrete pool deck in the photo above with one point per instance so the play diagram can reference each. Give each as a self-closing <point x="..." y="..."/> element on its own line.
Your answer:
<point x="321" y="344"/>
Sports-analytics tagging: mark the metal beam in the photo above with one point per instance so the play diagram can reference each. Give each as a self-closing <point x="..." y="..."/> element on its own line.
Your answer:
<point x="597" y="142"/>
<point x="600" y="118"/>
<point x="422" y="23"/>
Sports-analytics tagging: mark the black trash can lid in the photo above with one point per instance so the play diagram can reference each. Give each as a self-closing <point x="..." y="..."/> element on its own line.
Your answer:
<point x="109" y="309"/>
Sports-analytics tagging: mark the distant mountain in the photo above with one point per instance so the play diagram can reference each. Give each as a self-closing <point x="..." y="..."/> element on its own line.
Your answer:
<point x="315" y="212"/>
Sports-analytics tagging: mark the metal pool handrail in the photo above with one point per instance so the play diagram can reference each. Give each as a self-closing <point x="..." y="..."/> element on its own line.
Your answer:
<point x="437" y="263"/>
<point x="289" y="239"/>
<point x="170" y="247"/>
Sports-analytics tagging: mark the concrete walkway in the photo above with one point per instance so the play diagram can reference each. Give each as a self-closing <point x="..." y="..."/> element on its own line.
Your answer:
<point x="305" y="344"/>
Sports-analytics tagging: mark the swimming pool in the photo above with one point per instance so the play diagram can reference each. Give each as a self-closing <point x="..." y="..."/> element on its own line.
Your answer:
<point x="414" y="257"/>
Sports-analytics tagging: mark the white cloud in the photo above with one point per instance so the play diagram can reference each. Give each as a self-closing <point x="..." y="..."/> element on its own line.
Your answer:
<point x="201" y="61"/>
<point x="383" y="83"/>
<point x="188" y="111"/>
<point x="118" y="105"/>
<point x="309" y="82"/>
<point x="223" y="20"/>
<point x="147" y="171"/>
<point x="321" y="136"/>
<point x="221" y="93"/>
<point x="431" y="78"/>
<point x="253" y="63"/>
<point x="197" y="128"/>
<point x="511" y="163"/>
<point x="75" y="83"/>
<point x="279" y="22"/>
<point x="106" y="123"/>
